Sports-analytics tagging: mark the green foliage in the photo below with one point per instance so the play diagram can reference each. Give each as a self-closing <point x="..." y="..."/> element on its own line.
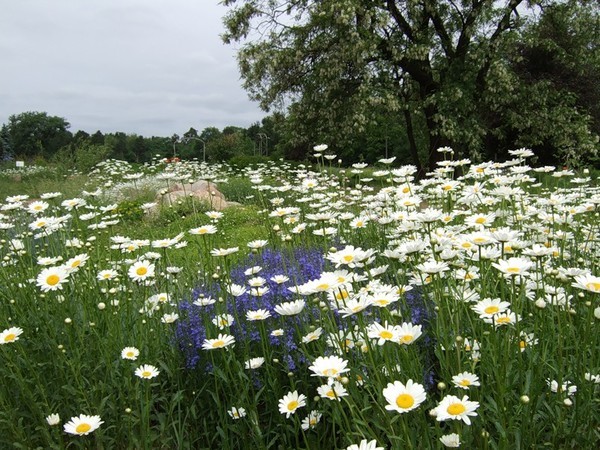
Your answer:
<point x="130" y="211"/>
<point x="82" y="157"/>
<point x="238" y="189"/>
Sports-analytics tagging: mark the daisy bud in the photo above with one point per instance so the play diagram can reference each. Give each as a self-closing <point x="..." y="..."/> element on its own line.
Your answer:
<point x="68" y="320"/>
<point x="458" y="339"/>
<point x="101" y="306"/>
<point x="540" y="303"/>
<point x="441" y="386"/>
<point x="580" y="295"/>
<point x="128" y="410"/>
<point x="345" y="380"/>
<point x="568" y="402"/>
<point x="597" y="312"/>
<point x="588" y="303"/>
<point x="485" y="434"/>
<point x="524" y="399"/>
<point x="290" y="374"/>
<point x="275" y="360"/>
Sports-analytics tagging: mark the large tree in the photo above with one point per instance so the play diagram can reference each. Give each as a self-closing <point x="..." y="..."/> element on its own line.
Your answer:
<point x="330" y="63"/>
<point x="37" y="134"/>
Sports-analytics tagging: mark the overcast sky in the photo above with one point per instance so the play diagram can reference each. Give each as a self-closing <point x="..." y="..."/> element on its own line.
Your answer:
<point x="151" y="67"/>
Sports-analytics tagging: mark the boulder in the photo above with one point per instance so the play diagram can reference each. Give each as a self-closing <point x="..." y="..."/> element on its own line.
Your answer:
<point x="201" y="190"/>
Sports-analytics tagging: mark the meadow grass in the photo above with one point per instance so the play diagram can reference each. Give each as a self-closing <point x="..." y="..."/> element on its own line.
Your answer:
<point x="333" y="308"/>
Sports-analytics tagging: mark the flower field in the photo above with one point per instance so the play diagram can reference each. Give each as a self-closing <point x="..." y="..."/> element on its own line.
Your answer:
<point x="332" y="308"/>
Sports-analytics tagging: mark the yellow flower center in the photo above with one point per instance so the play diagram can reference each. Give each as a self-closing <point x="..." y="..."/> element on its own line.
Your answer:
<point x="146" y="374"/>
<point x="330" y="393"/>
<point x="491" y="310"/>
<point x="405" y="401"/>
<point x="292" y="405"/>
<point x="522" y="344"/>
<point x="218" y="344"/>
<point x="513" y="270"/>
<point x="9" y="337"/>
<point x="407" y="339"/>
<point x="130" y="354"/>
<point x="141" y="271"/>
<point x="406" y="190"/>
<point x="465" y="382"/>
<point x="466" y="245"/>
<point x="503" y="319"/>
<point x="330" y="372"/>
<point x="359" y="224"/>
<point x="593" y="286"/>
<point x="480" y="220"/>
<point x="447" y="187"/>
<point x="323" y="286"/>
<point x="385" y="334"/>
<point x="348" y="258"/>
<point x="456" y="408"/>
<point x="342" y="295"/>
<point x="53" y="280"/>
<point x="83" y="428"/>
<point x="76" y="263"/>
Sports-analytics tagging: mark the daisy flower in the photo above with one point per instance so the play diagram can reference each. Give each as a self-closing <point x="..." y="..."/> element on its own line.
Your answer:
<point x="223" y="340"/>
<point x="291" y="402"/>
<point x="259" y="243"/>
<point x="237" y="413"/>
<point x="365" y="445"/>
<point x="488" y="307"/>
<point x="53" y="419"/>
<point x="464" y="380"/>
<point x="383" y="333"/>
<point x="107" y="274"/>
<point x="451" y="440"/>
<point x="290" y="308"/>
<point x="567" y="387"/>
<point x="82" y="425"/>
<point x="403" y="398"/>
<point x="10" y="335"/>
<point x="141" y="270"/>
<point x="513" y="266"/>
<point x="205" y="229"/>
<point x="254" y="363"/>
<point x="223" y="320"/>
<point x="130" y="353"/>
<point x="73" y="264"/>
<point x="51" y="278"/>
<point x="408" y="333"/>
<point x="259" y="314"/>
<point x="588" y="282"/>
<point x="312" y="336"/>
<point x="328" y="366"/>
<point x="224" y="251"/>
<point x="310" y="421"/>
<point x="333" y="392"/>
<point x="147" y="371"/>
<point x="454" y="408"/>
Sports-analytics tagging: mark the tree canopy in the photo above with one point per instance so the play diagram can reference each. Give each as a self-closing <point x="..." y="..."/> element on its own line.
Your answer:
<point x="445" y="68"/>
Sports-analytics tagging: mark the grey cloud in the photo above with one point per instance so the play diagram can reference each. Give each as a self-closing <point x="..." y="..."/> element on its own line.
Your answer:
<point x="152" y="67"/>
